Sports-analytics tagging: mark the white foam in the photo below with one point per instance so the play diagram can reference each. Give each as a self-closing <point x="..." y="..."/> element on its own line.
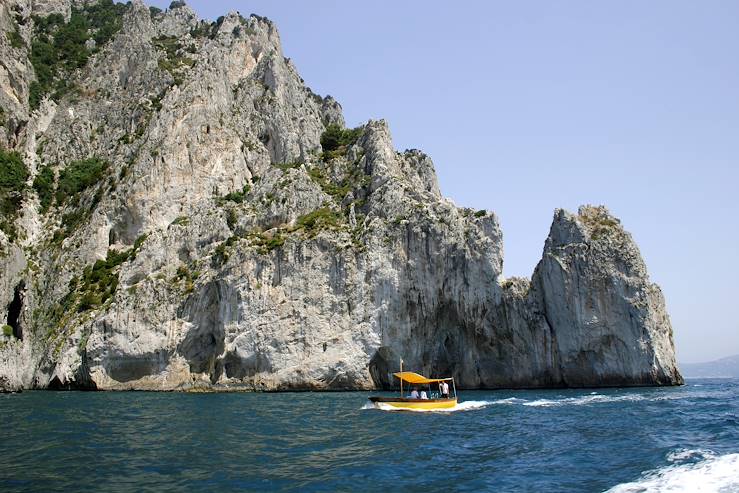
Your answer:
<point x="595" y="398"/>
<point x="462" y="406"/>
<point x="583" y="400"/>
<point x="510" y="400"/>
<point x="712" y="473"/>
<point x="684" y="455"/>
<point x="470" y="405"/>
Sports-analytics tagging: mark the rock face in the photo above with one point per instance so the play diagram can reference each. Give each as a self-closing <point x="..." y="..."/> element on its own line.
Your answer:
<point x="609" y="321"/>
<point x="195" y="217"/>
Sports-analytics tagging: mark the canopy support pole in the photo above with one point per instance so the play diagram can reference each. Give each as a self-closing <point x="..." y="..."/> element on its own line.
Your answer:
<point x="401" y="380"/>
<point x="454" y="387"/>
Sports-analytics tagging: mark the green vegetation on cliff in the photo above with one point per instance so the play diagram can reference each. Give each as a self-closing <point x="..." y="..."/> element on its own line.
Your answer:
<point x="315" y="221"/>
<point x="13" y="176"/>
<point x="335" y="140"/>
<point x="77" y="176"/>
<point x="221" y="253"/>
<point x="13" y="172"/>
<point x="43" y="183"/>
<point x="58" y="48"/>
<point x="187" y="278"/>
<point x="173" y="60"/>
<point x="16" y="40"/>
<point x="96" y="285"/>
<point x="308" y="224"/>
<point x="266" y="242"/>
<point x="335" y="137"/>
<point x="99" y="281"/>
<point x="74" y="179"/>
<point x="599" y="222"/>
<point x="354" y="177"/>
<point x="237" y="197"/>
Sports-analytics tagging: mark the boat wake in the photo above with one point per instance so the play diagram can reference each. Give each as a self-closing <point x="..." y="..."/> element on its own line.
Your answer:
<point x="462" y="406"/>
<point x="690" y="471"/>
<point x="583" y="400"/>
<point x="593" y="398"/>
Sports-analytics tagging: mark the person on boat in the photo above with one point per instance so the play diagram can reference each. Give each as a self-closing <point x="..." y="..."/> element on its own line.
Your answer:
<point x="423" y="395"/>
<point x="444" y="388"/>
<point x="414" y="394"/>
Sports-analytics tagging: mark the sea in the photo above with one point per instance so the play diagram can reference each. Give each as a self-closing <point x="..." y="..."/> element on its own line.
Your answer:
<point x="615" y="440"/>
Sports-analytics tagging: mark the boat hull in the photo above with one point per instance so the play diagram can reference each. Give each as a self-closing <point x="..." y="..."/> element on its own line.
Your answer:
<point x="424" y="404"/>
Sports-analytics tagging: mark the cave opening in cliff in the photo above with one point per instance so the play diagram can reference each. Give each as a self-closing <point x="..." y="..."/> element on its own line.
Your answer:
<point x="382" y="365"/>
<point x="14" y="311"/>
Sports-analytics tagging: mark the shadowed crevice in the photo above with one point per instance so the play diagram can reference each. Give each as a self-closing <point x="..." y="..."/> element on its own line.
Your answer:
<point x="14" y="310"/>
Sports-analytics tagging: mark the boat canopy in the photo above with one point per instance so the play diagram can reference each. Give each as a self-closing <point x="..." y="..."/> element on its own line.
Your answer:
<point x="415" y="378"/>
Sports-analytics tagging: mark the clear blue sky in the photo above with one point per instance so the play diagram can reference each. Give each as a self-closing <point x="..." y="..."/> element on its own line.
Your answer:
<point x="528" y="106"/>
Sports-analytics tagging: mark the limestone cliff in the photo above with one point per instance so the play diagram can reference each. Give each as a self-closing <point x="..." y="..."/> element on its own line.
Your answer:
<point x="182" y="211"/>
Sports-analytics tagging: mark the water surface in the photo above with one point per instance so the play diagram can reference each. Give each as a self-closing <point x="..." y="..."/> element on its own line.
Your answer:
<point x="559" y="440"/>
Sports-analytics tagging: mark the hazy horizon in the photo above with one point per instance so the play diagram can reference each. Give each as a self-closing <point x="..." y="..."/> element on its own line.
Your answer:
<point x="532" y="106"/>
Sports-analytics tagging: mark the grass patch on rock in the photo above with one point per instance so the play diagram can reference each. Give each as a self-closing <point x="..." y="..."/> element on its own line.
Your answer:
<point x="180" y="221"/>
<point x="598" y="221"/>
<point x="287" y="166"/>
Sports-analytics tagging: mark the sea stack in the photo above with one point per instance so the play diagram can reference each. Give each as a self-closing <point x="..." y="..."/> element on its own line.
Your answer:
<point x="182" y="212"/>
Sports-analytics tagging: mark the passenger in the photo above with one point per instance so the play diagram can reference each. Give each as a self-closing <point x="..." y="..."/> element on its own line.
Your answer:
<point x="445" y="390"/>
<point x="423" y="395"/>
<point x="414" y="394"/>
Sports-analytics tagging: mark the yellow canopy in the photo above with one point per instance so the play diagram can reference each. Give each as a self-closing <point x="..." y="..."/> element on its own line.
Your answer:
<point x="410" y="377"/>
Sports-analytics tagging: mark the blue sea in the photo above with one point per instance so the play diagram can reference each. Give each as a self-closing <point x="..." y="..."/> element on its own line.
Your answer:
<point x="617" y="440"/>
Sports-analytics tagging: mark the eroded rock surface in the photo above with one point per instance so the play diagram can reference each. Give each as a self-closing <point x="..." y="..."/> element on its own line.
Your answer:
<point x="212" y="225"/>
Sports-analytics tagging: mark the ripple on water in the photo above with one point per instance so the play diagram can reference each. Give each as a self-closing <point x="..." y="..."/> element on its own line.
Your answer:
<point x="557" y="440"/>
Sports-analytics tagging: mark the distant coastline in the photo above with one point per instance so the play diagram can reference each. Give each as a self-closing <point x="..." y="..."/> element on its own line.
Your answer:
<point x="721" y="368"/>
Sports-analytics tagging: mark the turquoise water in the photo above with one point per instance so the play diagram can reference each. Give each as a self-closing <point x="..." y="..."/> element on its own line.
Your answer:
<point x="559" y="440"/>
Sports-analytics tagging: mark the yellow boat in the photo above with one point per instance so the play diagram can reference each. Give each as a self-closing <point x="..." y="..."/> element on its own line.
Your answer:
<point x="433" y="401"/>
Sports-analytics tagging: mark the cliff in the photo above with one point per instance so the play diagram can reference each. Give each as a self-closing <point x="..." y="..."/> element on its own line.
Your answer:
<point x="181" y="211"/>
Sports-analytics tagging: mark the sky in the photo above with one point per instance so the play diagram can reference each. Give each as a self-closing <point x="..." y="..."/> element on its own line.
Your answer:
<point x="528" y="106"/>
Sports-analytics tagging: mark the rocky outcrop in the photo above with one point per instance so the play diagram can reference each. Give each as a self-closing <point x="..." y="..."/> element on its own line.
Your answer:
<point x="609" y="321"/>
<point x="211" y="224"/>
